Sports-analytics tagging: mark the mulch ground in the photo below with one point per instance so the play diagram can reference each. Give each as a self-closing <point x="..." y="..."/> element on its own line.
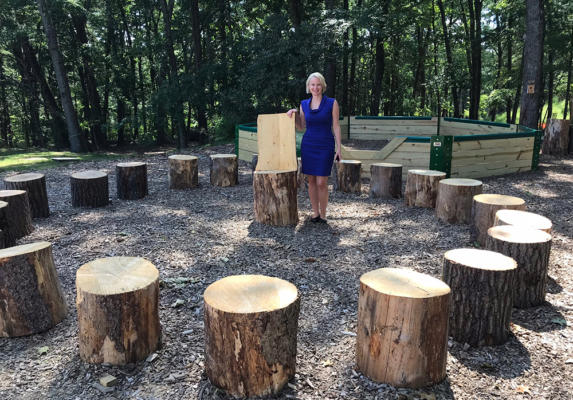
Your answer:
<point x="195" y="237"/>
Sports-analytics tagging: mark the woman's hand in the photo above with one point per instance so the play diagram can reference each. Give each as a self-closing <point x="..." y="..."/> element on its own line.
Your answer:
<point x="337" y="156"/>
<point x="291" y="112"/>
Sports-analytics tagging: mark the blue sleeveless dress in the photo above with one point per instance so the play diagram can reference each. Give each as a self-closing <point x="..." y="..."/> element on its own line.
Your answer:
<point x="317" y="146"/>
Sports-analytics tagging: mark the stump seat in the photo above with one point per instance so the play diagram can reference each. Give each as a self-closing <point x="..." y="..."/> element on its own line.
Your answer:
<point x="523" y="219"/>
<point x="35" y="185"/>
<point x="251" y="323"/>
<point x="454" y="199"/>
<point x="3" y="225"/>
<point x="18" y="215"/>
<point x="348" y="176"/>
<point x="422" y="187"/>
<point x="386" y="180"/>
<point x="131" y="180"/>
<point x="224" y="170"/>
<point x="484" y="207"/>
<point x="275" y="197"/>
<point x="89" y="189"/>
<point x="183" y="171"/>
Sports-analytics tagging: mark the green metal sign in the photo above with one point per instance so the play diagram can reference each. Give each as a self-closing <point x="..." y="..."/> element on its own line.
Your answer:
<point x="441" y="153"/>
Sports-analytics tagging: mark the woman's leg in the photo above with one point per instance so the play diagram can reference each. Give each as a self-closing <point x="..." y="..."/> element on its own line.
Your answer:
<point x="322" y="194"/>
<point x="313" y="194"/>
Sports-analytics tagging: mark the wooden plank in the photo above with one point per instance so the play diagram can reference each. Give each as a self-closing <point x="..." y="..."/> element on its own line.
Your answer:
<point x="247" y="135"/>
<point x="277" y="145"/>
<point x="486" y="173"/>
<point x="491" y="166"/>
<point x="462" y="129"/>
<point x="250" y="145"/>
<point x="486" y="152"/>
<point x="394" y="122"/>
<point x="489" y="144"/>
<point x="245" y="155"/>
<point x="491" y="158"/>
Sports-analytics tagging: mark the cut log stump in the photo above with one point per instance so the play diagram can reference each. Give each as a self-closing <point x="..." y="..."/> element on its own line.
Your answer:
<point x="224" y="170"/>
<point x="482" y="285"/>
<point x="300" y="177"/>
<point x="484" y="207"/>
<point x="275" y="197"/>
<point x="254" y="162"/>
<point x="183" y="171"/>
<point x="251" y="323"/>
<point x="89" y="189"/>
<point x="402" y="330"/>
<point x="131" y="180"/>
<point x="422" y="187"/>
<point x="454" y="201"/>
<point x="556" y="137"/>
<point x="386" y="180"/>
<point x="18" y="215"/>
<point x="118" y="310"/>
<point x="530" y="248"/>
<point x="348" y="176"/>
<point x="30" y="291"/>
<point x="35" y="185"/>
<point x="4" y="226"/>
<point x="522" y="219"/>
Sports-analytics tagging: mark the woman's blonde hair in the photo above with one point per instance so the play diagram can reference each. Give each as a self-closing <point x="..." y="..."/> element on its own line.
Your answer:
<point x="318" y="76"/>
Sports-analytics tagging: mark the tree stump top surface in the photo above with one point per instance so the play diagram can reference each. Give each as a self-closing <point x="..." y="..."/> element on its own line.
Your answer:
<point x="223" y="156"/>
<point x="10" y="193"/>
<point x="31" y="176"/>
<point x="23" y="249"/>
<point x="460" y="182"/>
<point x="182" y="157"/>
<point x="115" y="275"/>
<point x="518" y="234"/>
<point x="91" y="174"/>
<point x="427" y="172"/>
<point x="273" y="172"/>
<point x="3" y="204"/>
<point x="131" y="164"/>
<point x="498" y="199"/>
<point x="481" y="259"/>
<point x="350" y="162"/>
<point x="243" y="294"/>
<point x="404" y="283"/>
<point x="524" y="219"/>
<point x="385" y="164"/>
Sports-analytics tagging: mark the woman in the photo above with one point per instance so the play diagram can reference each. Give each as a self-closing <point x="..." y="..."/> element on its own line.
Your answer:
<point x="320" y="143"/>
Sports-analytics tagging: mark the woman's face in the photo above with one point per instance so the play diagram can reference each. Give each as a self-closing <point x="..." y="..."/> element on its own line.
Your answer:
<point x="314" y="86"/>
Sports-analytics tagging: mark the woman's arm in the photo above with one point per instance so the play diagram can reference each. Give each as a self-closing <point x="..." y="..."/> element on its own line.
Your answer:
<point x="336" y="129"/>
<point x="299" y="121"/>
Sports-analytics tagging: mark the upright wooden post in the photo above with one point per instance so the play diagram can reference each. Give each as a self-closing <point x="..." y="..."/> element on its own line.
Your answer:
<point x="454" y="200"/>
<point x="224" y="170"/>
<point x="183" y="171"/>
<point x="18" y="214"/>
<point x="422" y="187"/>
<point x="275" y="197"/>
<point x="386" y="180"/>
<point x="89" y="189"/>
<point x="348" y="176"/>
<point x="131" y="180"/>
<point x="484" y="207"/>
<point x="35" y="185"/>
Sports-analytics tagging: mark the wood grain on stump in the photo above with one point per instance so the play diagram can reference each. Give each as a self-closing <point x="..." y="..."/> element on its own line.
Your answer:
<point x="31" y="299"/>
<point x="530" y="248"/>
<point x="224" y="170"/>
<point x="131" y="180"/>
<point x="118" y="310"/>
<point x="556" y="137"/>
<point x="300" y="177"/>
<point x="4" y="226"/>
<point x="18" y="215"/>
<point x="386" y="180"/>
<point x="275" y="197"/>
<point x="523" y="219"/>
<point x="254" y="162"/>
<point x="482" y="285"/>
<point x="402" y="330"/>
<point x="484" y="207"/>
<point x="89" y="189"/>
<point x="422" y="187"/>
<point x="348" y="176"/>
<point x="251" y="323"/>
<point x="35" y="185"/>
<point x="454" y="201"/>
<point x="183" y="171"/>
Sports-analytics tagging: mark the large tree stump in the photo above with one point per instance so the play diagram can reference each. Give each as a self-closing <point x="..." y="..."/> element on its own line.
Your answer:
<point x="4" y="226"/>
<point x="522" y="219"/>
<point x="254" y="162"/>
<point x="348" y="176"/>
<point x="454" y="201"/>
<point x="251" y="323"/>
<point x="484" y="207"/>
<point x="131" y="180"/>
<point x="402" y="330"/>
<point x="530" y="248"/>
<point x="482" y="285"/>
<point x="386" y="180"/>
<point x="183" y="172"/>
<point x="35" y="185"/>
<point x="556" y="137"/>
<point x="275" y="197"/>
<point x="18" y="214"/>
<point x="31" y="299"/>
<point x="300" y="177"/>
<point x="422" y="187"/>
<point x="118" y="310"/>
<point x="224" y="170"/>
<point x="89" y="189"/>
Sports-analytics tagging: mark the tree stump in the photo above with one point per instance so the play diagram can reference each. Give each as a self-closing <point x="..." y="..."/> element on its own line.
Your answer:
<point x="556" y="137"/>
<point x="386" y="180"/>
<point x="348" y="176"/>
<point x="31" y="297"/>
<point x="484" y="207"/>
<point x="4" y="226"/>
<point x="482" y="285"/>
<point x="522" y="219"/>
<point x="35" y="185"/>
<point x="89" y="189"/>
<point x="402" y="330"/>
<point x="224" y="170"/>
<point x="254" y="161"/>
<point x="530" y="248"/>
<point x="118" y="310"/>
<point x="300" y="177"/>
<point x="131" y="180"/>
<point x="183" y="172"/>
<point x="275" y="197"/>
<point x="18" y="215"/>
<point x="422" y="187"/>
<point x="251" y="323"/>
<point x="454" y="200"/>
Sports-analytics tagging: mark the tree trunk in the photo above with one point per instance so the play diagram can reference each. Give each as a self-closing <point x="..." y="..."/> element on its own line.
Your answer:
<point x="568" y="99"/>
<point x="449" y="58"/>
<point x="330" y="56"/>
<point x="386" y="180"/>
<point x="35" y="185"/>
<point x="198" y="56"/>
<point x="18" y="214"/>
<point x="224" y="170"/>
<point x="5" y="124"/>
<point x="454" y="200"/>
<point x="475" y="7"/>
<point x="183" y="172"/>
<point x="131" y="180"/>
<point x="556" y="138"/>
<point x="275" y="197"/>
<point x="422" y="187"/>
<point x="348" y="176"/>
<point x="89" y="189"/>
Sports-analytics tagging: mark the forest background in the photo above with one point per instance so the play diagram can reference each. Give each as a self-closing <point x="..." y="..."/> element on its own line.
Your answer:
<point x="92" y="74"/>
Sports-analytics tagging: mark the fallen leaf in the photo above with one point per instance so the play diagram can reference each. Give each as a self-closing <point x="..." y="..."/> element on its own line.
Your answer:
<point x="523" y="389"/>
<point x="43" y="350"/>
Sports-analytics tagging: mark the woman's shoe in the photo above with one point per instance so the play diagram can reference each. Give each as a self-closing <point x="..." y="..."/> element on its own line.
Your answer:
<point x="316" y="219"/>
<point x="322" y="220"/>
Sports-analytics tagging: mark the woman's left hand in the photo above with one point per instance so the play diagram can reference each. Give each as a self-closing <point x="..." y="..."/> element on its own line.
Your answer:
<point x="337" y="156"/>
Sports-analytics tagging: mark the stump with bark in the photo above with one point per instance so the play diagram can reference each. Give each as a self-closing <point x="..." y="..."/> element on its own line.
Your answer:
<point x="31" y="296"/>
<point x="18" y="215"/>
<point x="530" y="248"/>
<point x="300" y="177"/>
<point x="254" y="161"/>
<point x="118" y="310"/>
<point x="4" y="226"/>
<point x="386" y="180"/>
<point x="522" y="219"/>
<point x="35" y="185"/>
<point x="251" y="323"/>
<point x="275" y="197"/>
<point x="484" y="207"/>
<point x="183" y="172"/>
<point x="422" y="187"/>
<point x="454" y="200"/>
<point x="482" y="285"/>
<point x="402" y="330"/>
<point x="348" y="176"/>
<point x="89" y="189"/>
<point x="556" y="137"/>
<point x="224" y="170"/>
<point x="131" y="180"/>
